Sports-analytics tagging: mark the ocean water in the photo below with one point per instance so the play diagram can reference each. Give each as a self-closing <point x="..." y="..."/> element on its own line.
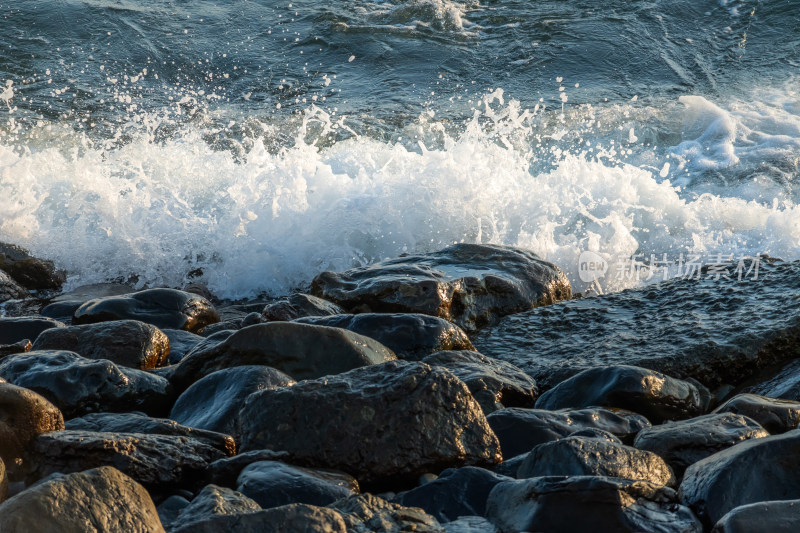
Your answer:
<point x="250" y="144"/>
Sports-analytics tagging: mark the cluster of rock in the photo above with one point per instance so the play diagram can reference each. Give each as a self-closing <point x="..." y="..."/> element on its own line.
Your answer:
<point x="365" y="407"/>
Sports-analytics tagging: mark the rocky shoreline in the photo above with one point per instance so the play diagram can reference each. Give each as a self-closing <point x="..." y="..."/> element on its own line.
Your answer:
<point x="465" y="390"/>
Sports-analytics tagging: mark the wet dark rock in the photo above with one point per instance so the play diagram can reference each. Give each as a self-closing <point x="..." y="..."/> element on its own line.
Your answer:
<point x="595" y="433"/>
<point x="776" y="416"/>
<point x="170" y="508"/>
<point x="649" y="393"/>
<point x="785" y="385"/>
<point x="209" y="502"/>
<point x="163" y="308"/>
<point x="590" y="456"/>
<point x="299" y="306"/>
<point x="180" y="343"/>
<point x="715" y="331"/>
<point x="125" y="342"/>
<point x="77" y="385"/>
<point x="519" y="430"/>
<point x="22" y="346"/>
<point x="24" y="415"/>
<point x="61" y="311"/>
<point x="396" y="420"/>
<point x="30" y="272"/>
<point x="295" y="518"/>
<point x="688" y="441"/>
<point x="156" y="461"/>
<point x="409" y="336"/>
<point x="509" y="467"/>
<point x="456" y="492"/>
<point x="772" y="517"/>
<point x="302" y="351"/>
<point x="214" y="402"/>
<point x="752" y="471"/>
<point x="226" y="471"/>
<point x="586" y="503"/>
<point x="10" y="289"/>
<point x="103" y="499"/>
<point x="273" y="483"/>
<point x="15" y="329"/>
<point x="471" y="285"/>
<point x="366" y="513"/>
<point x="230" y="326"/>
<point x="495" y="384"/>
<point x="141" y="423"/>
<point x="469" y="524"/>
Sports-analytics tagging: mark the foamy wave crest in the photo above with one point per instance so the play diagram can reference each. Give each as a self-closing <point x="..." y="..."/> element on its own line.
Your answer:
<point x="268" y="221"/>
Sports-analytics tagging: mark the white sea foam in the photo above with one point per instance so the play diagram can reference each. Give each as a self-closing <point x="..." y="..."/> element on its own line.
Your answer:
<point x="269" y="222"/>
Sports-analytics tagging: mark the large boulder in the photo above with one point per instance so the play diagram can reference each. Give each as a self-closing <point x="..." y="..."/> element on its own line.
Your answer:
<point x="774" y="415"/>
<point x="772" y="517"/>
<point x="272" y="484"/>
<point x="77" y="385"/>
<point x="98" y="500"/>
<point x="209" y="502"/>
<point x="15" y="329"/>
<point x="593" y="456"/>
<point x="471" y="285"/>
<point x="365" y="513"/>
<point x="157" y="461"/>
<point x="396" y="420"/>
<point x="519" y="430"/>
<point x="299" y="306"/>
<point x="456" y="492"/>
<point x="409" y="336"/>
<point x="714" y="330"/>
<point x="753" y="471"/>
<point x="686" y="442"/>
<point x="141" y="423"/>
<point x="214" y="402"/>
<point x="652" y="394"/>
<point x="125" y="342"/>
<point x="586" y="503"/>
<point x="30" y="272"/>
<point x="163" y="308"/>
<point x="10" y="289"/>
<point x="294" y="518"/>
<point x="302" y="351"/>
<point x="495" y="384"/>
<point x="24" y="415"/>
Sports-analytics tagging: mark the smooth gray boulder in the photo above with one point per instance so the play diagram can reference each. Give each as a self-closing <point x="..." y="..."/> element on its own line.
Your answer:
<point x="299" y="306"/>
<point x="273" y="483"/>
<point x="15" y="329"/>
<point x="772" y="517"/>
<point x="774" y="415"/>
<point x="471" y="285"/>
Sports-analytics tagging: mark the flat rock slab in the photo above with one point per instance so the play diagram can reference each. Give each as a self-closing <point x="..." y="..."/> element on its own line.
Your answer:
<point x="495" y="384"/>
<point x="15" y="329"/>
<point x="303" y="351"/>
<point x="715" y="331"/>
<point x="753" y="471"/>
<point x="156" y="461"/>
<point x="163" y="308"/>
<point x="772" y="517"/>
<point x="585" y="503"/>
<point x="411" y="336"/>
<point x="24" y="415"/>
<point x="141" y="423"/>
<point x="688" y="441"/>
<point x="103" y="499"/>
<point x="394" y="421"/>
<point x="592" y="456"/>
<point x="456" y="492"/>
<point x="519" y="430"/>
<point x="77" y="385"/>
<point x="649" y="393"/>
<point x="471" y="285"/>
<point x="214" y="402"/>
<point x="125" y="342"/>
<point x="273" y="483"/>
<point x="774" y="415"/>
<point x="293" y="518"/>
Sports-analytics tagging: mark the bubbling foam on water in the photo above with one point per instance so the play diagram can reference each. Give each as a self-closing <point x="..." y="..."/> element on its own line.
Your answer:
<point x="267" y="221"/>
